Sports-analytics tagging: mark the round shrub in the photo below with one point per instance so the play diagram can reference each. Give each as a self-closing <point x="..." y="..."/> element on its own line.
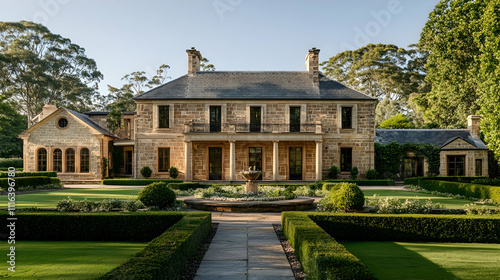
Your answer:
<point x="173" y="172"/>
<point x="146" y="172"/>
<point x="348" y="197"/>
<point x="157" y="194"/>
<point x="371" y="174"/>
<point x="354" y="173"/>
<point x="333" y="171"/>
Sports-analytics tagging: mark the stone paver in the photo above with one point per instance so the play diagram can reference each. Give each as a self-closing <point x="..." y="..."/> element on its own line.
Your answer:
<point x="245" y="247"/>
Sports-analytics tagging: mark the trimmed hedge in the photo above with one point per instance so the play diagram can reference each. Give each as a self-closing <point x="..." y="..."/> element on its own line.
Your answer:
<point x="30" y="174"/>
<point x="184" y="186"/>
<point x="137" y="182"/>
<point x="290" y="187"/>
<point x="465" y="189"/>
<point x="11" y="162"/>
<point x="382" y="182"/>
<point x="166" y="256"/>
<point x="109" y="226"/>
<point x="321" y="255"/>
<point x="410" y="228"/>
<point x="412" y="181"/>
<point x="28" y="182"/>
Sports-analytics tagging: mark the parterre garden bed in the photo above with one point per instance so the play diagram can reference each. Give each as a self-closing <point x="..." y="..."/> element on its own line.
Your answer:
<point x="172" y="239"/>
<point x="315" y="237"/>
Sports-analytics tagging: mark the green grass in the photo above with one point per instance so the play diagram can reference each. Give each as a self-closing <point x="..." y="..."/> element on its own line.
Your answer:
<point x="399" y="260"/>
<point x="448" y="202"/>
<point x="67" y="259"/>
<point x="50" y="199"/>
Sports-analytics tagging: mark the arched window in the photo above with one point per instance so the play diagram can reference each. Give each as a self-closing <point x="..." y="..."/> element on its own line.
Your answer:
<point x="70" y="160"/>
<point x="57" y="156"/>
<point x="42" y="160"/>
<point x="84" y="160"/>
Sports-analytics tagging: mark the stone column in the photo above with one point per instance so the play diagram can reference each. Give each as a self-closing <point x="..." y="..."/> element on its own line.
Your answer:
<point x="319" y="158"/>
<point x="232" y="145"/>
<point x="187" y="160"/>
<point x="275" y="161"/>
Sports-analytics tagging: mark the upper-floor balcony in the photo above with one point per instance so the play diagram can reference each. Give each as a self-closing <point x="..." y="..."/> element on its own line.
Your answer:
<point x="252" y="128"/>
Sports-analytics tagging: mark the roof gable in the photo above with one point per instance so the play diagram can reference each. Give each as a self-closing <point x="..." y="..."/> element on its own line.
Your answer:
<point x="458" y="143"/>
<point x="277" y="85"/>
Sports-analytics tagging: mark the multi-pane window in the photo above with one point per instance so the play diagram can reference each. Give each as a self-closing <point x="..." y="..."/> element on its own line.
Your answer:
<point x="70" y="160"/>
<point x="255" y="159"/>
<point x="345" y="159"/>
<point x="84" y="160"/>
<point x="163" y="117"/>
<point x="215" y="118"/>
<point x="255" y="119"/>
<point x="294" y="119"/>
<point x="57" y="160"/>
<point x="163" y="159"/>
<point x="479" y="167"/>
<point x="346" y="117"/>
<point x="42" y="160"/>
<point x="456" y="165"/>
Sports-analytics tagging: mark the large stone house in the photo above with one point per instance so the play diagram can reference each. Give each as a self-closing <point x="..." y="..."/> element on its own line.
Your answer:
<point x="292" y="125"/>
<point x="211" y="125"/>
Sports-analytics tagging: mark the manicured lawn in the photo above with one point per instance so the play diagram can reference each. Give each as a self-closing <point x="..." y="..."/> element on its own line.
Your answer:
<point x="399" y="260"/>
<point x="448" y="202"/>
<point x="67" y="259"/>
<point x="50" y="199"/>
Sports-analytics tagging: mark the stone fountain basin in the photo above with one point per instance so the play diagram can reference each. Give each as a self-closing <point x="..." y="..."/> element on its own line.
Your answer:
<point x="296" y="204"/>
<point x="251" y="175"/>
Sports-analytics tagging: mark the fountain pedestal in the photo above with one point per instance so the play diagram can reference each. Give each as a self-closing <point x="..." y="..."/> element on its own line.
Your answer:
<point x="251" y="176"/>
<point x="252" y="186"/>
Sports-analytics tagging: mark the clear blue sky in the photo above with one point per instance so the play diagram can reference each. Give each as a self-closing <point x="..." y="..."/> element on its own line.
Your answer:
<point x="123" y="36"/>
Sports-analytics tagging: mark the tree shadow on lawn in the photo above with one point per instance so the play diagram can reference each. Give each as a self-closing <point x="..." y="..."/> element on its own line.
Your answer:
<point x="389" y="260"/>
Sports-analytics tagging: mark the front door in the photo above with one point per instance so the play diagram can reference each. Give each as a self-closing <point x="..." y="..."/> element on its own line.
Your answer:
<point x="128" y="162"/>
<point x="215" y="163"/>
<point x="295" y="163"/>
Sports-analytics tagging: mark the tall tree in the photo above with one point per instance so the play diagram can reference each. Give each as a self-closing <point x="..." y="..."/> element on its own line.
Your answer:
<point x="206" y="66"/>
<point x="386" y="72"/>
<point x="452" y="65"/>
<point x="11" y="124"/>
<point x="39" y="67"/>
<point x="489" y="75"/>
<point x="135" y="83"/>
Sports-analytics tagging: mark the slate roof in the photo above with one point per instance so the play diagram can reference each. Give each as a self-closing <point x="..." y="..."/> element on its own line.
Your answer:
<point x="279" y="85"/>
<point x="436" y="137"/>
<point x="90" y="122"/>
<point x="105" y="113"/>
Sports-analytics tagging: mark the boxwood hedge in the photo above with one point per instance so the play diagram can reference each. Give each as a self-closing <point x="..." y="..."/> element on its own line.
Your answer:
<point x="382" y="182"/>
<point x="28" y="182"/>
<point x="465" y="189"/>
<point x="184" y="186"/>
<point x="137" y="182"/>
<point x="30" y="174"/>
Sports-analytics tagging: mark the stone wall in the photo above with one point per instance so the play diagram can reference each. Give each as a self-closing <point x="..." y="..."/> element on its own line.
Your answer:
<point x="470" y="161"/>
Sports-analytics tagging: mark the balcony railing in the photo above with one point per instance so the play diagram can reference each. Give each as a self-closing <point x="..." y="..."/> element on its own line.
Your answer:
<point x="252" y="128"/>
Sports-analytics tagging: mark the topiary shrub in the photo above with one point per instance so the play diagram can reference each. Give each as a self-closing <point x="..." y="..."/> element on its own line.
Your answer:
<point x="371" y="174"/>
<point x="146" y="172"/>
<point x="157" y="194"/>
<point x="333" y="171"/>
<point x="348" y="197"/>
<point x="173" y="172"/>
<point x="354" y="173"/>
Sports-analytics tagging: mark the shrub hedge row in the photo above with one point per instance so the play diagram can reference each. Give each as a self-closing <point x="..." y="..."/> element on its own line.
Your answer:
<point x="30" y="174"/>
<point x="410" y="227"/>
<point x="28" y="182"/>
<point x="61" y="226"/>
<point x="465" y="189"/>
<point x="184" y="186"/>
<point x="382" y="182"/>
<point x="166" y="256"/>
<point x="11" y="162"/>
<point x="463" y="179"/>
<point x="137" y="182"/>
<point x="321" y="255"/>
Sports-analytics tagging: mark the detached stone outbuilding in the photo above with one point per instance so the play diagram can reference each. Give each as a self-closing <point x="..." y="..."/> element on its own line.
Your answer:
<point x="462" y="151"/>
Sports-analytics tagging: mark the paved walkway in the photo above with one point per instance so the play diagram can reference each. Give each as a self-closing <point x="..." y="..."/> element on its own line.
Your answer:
<point x="245" y="247"/>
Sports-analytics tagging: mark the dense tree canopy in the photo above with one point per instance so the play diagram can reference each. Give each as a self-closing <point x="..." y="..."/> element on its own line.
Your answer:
<point x="38" y="67"/>
<point x="449" y="37"/>
<point x="386" y="72"/>
<point x="11" y="124"/>
<point x="397" y="121"/>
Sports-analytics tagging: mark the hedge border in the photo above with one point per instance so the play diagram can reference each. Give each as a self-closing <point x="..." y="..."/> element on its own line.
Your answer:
<point x="466" y="189"/>
<point x="320" y="254"/>
<point x="378" y="182"/>
<point x="184" y="186"/>
<point x="33" y="181"/>
<point x="137" y="182"/>
<point x="30" y="174"/>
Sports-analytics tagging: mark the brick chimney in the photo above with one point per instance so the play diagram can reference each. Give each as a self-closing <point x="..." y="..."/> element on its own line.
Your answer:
<point x="473" y="122"/>
<point x="194" y="60"/>
<point x="312" y="64"/>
